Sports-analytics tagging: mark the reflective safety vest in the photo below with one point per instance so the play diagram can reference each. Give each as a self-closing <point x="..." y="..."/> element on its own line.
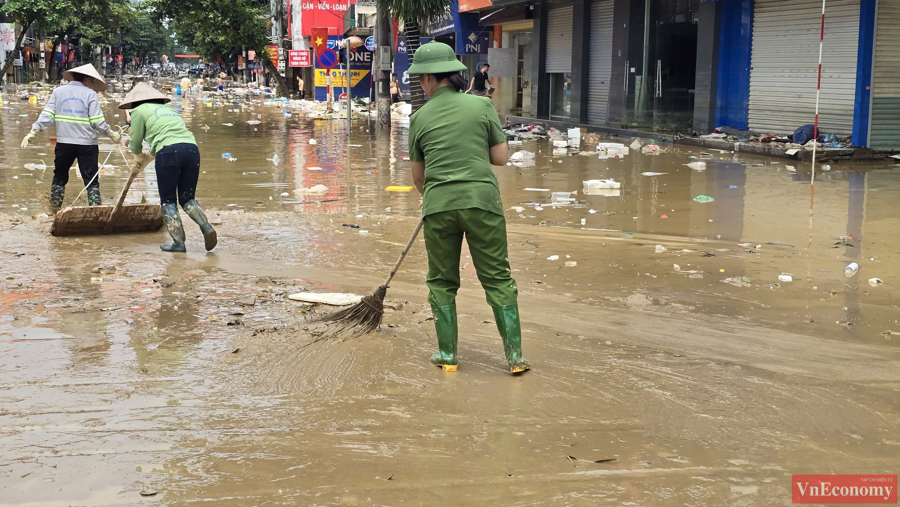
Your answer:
<point x="75" y="109"/>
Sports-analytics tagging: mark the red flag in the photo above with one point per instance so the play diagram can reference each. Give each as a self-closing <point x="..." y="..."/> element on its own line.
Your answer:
<point x="319" y="40"/>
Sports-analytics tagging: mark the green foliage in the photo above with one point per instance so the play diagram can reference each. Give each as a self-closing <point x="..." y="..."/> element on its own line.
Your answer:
<point x="95" y="22"/>
<point x="421" y="12"/>
<point x="217" y="28"/>
<point x="147" y="37"/>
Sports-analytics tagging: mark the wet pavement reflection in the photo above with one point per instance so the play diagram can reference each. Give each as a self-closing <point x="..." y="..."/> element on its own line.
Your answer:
<point x="668" y="341"/>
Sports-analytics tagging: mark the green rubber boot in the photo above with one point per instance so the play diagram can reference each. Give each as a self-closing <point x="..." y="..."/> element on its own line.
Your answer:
<point x="57" y="194"/>
<point x="507" y="317"/>
<point x="447" y="334"/>
<point x="193" y="209"/>
<point x="93" y="194"/>
<point x="173" y="224"/>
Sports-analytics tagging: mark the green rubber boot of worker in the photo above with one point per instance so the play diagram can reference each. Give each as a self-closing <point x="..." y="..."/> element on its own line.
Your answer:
<point x="447" y="334"/>
<point x="193" y="209"/>
<point x="93" y="194"/>
<point x="173" y="224"/>
<point x="507" y="317"/>
<point x="57" y="194"/>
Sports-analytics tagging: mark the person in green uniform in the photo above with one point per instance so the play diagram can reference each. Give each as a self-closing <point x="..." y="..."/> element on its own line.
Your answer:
<point x="177" y="160"/>
<point x="453" y="141"/>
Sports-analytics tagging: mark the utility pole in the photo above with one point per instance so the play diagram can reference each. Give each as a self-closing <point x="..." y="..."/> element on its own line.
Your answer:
<point x="383" y="83"/>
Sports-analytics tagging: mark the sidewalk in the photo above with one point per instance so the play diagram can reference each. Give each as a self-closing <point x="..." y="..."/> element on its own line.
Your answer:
<point x="775" y="150"/>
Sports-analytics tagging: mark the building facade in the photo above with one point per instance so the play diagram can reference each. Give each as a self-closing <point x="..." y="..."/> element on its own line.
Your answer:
<point x="691" y="66"/>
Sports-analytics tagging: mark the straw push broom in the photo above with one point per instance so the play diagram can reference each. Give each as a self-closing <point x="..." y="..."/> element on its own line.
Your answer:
<point x="365" y="316"/>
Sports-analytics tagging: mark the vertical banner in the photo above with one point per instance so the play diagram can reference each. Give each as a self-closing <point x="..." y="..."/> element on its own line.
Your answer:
<point x="401" y="65"/>
<point x="7" y="39"/>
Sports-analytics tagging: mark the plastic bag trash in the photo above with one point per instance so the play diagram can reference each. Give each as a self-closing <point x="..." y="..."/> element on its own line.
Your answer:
<point x="560" y="143"/>
<point x="851" y="269"/>
<point x="574" y="137"/>
<point x="653" y="174"/>
<point x="285" y="194"/>
<point x="703" y="198"/>
<point x="875" y="282"/>
<point x="660" y="249"/>
<point x="562" y="197"/>
<point x="521" y="155"/>
<point x="517" y="209"/>
<point x="697" y="166"/>
<point x="612" y="150"/>
<point x="826" y="167"/>
<point x="226" y="155"/>
<point x="651" y="149"/>
<point x="537" y="189"/>
<point x="275" y="159"/>
<point x="598" y="184"/>
<point x="514" y="143"/>
<point x="553" y="258"/>
<point x="318" y="189"/>
<point x="791" y="168"/>
<point x="571" y="264"/>
<point x="41" y="166"/>
<point x="785" y="278"/>
<point x="312" y="141"/>
<point x="326" y="298"/>
<point x="636" y="145"/>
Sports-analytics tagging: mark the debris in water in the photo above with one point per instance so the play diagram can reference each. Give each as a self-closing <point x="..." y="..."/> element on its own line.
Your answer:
<point x="148" y="491"/>
<point x="312" y="141"/>
<point x="571" y="264"/>
<point x="851" y="269"/>
<point x="660" y="249"/>
<point x="636" y="145"/>
<point x="649" y="173"/>
<point x="651" y="149"/>
<point x="703" y="198"/>
<point x="398" y="189"/>
<point x="875" y="282"/>
<point x="537" y="189"/>
<point x="314" y="168"/>
<point x="553" y="258"/>
<point x="785" y="278"/>
<point x="697" y="166"/>
<point x="573" y="459"/>
<point x="318" y="189"/>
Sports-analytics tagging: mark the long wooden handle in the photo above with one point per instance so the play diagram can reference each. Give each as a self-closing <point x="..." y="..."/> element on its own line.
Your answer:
<point x="111" y="221"/>
<point x="412" y="238"/>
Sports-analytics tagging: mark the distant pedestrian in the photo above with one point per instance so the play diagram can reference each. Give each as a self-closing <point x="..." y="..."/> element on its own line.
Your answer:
<point x="453" y="141"/>
<point x="177" y="161"/>
<point x="75" y="109"/>
<point x="301" y="93"/>
<point x="395" y="90"/>
<point x="185" y="86"/>
<point x="220" y="84"/>
<point x="200" y="85"/>
<point x="480" y="83"/>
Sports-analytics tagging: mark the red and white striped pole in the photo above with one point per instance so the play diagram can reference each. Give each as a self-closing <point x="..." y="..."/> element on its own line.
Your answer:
<point x="818" y="89"/>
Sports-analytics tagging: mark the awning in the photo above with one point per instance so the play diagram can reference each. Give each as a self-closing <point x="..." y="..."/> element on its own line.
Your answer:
<point x="500" y="14"/>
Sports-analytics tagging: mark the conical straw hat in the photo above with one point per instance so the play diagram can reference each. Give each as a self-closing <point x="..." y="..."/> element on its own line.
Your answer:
<point x="99" y="85"/>
<point x="140" y="93"/>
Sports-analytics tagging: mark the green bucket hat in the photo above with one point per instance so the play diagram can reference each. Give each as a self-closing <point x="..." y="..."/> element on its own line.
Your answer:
<point x="435" y="58"/>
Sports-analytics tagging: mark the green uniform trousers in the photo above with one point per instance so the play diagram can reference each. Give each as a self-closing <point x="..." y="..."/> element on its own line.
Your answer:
<point x="485" y="232"/>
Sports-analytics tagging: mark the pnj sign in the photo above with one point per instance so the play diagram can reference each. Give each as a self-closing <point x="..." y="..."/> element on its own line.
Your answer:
<point x="472" y="43"/>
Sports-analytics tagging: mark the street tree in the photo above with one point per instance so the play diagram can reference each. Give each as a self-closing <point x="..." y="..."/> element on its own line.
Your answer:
<point x="220" y="28"/>
<point x="94" y="22"/>
<point x="415" y="14"/>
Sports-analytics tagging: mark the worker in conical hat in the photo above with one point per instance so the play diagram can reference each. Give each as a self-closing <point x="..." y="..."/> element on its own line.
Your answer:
<point x="177" y="161"/>
<point x="454" y="140"/>
<point x="75" y="109"/>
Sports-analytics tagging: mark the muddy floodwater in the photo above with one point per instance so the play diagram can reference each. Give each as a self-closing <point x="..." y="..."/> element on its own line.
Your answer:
<point x="684" y="352"/>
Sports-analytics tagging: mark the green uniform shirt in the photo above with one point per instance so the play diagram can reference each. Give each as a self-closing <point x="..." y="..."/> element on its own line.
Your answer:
<point x="159" y="125"/>
<point x="453" y="134"/>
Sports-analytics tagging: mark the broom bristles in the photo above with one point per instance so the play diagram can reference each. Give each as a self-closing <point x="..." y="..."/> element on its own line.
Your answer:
<point x="361" y="318"/>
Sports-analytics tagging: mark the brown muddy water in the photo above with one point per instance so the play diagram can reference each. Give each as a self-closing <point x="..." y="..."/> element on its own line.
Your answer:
<point x="123" y="368"/>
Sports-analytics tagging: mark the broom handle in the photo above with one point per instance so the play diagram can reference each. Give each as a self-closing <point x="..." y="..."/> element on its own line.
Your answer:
<point x="111" y="221"/>
<point x="412" y="238"/>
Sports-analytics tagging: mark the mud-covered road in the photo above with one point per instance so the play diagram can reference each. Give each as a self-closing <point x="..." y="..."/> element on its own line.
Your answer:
<point x="702" y="377"/>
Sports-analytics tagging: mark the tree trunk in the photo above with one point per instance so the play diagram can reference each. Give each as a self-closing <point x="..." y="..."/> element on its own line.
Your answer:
<point x="281" y="88"/>
<point x="18" y="48"/>
<point x="416" y="95"/>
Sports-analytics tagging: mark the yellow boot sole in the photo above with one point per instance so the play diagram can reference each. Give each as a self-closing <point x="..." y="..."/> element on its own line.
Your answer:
<point x="519" y="368"/>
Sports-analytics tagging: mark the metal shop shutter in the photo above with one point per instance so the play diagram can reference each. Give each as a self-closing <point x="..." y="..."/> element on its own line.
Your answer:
<point x="559" y="40"/>
<point x="600" y="60"/>
<point x="884" y="131"/>
<point x="784" y="65"/>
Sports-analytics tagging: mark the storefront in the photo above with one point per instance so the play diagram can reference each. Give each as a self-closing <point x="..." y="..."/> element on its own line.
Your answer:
<point x="784" y="65"/>
<point x="461" y="31"/>
<point x="600" y="61"/>
<point x="884" y="127"/>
